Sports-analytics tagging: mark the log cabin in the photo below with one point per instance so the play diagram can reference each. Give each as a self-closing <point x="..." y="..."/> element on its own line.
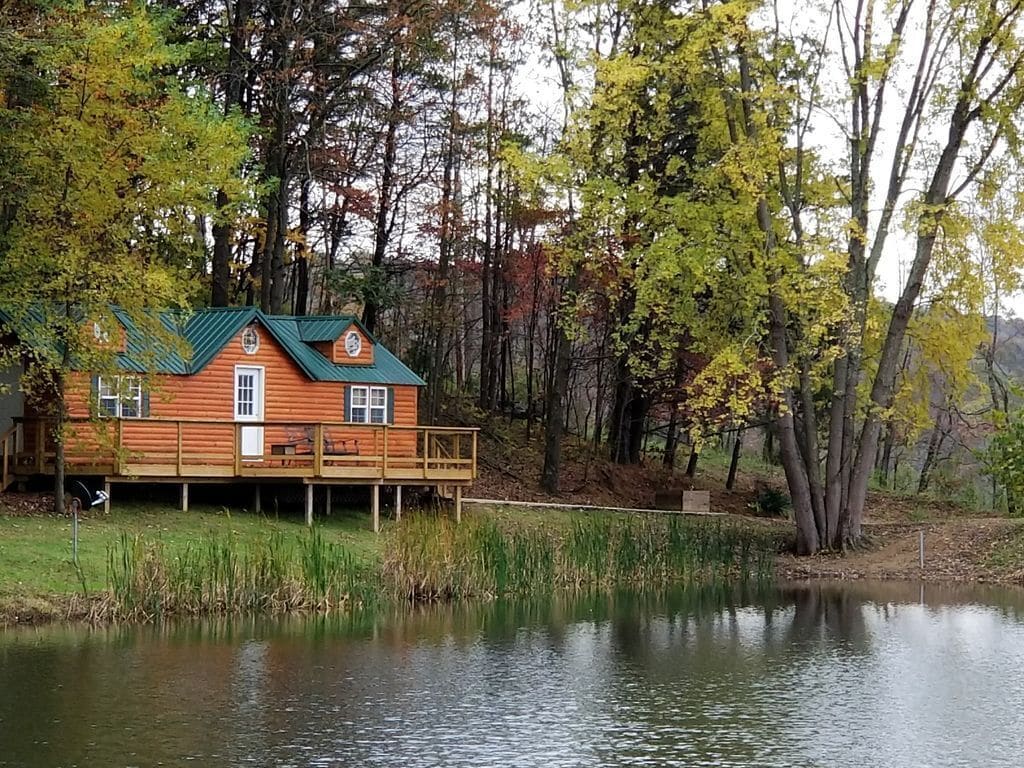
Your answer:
<point x="246" y="397"/>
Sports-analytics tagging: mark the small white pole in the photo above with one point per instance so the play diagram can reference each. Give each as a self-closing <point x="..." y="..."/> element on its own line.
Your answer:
<point x="375" y="505"/>
<point x="184" y="497"/>
<point x="398" y="503"/>
<point x="74" y="530"/>
<point x="921" y="547"/>
<point x="309" y="505"/>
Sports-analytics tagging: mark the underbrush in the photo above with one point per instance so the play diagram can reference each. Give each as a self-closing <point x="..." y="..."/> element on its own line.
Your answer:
<point x="436" y="559"/>
<point x="426" y="557"/>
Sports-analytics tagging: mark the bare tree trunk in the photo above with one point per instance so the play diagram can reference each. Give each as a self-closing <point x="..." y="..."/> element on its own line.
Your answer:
<point x="890" y="439"/>
<point x="691" y="463"/>
<point x="382" y="227"/>
<point x="671" y="439"/>
<point x="439" y="300"/>
<point x="234" y="84"/>
<point x="935" y="441"/>
<point x="734" y="462"/>
<point x="300" y="306"/>
<point x="554" y="426"/>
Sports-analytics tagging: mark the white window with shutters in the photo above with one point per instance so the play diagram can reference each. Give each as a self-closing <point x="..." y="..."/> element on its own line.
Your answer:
<point x="369" y="405"/>
<point x="378" y="405"/>
<point x="120" y="397"/>
<point x="360" y="404"/>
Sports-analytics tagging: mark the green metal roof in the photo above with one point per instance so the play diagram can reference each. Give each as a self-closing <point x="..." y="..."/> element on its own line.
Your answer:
<point x="319" y="328"/>
<point x="207" y="331"/>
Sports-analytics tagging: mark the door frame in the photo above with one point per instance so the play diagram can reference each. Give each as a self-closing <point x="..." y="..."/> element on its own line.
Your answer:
<point x="259" y="405"/>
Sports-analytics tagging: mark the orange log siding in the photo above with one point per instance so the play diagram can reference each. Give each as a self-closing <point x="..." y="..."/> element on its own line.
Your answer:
<point x="289" y="396"/>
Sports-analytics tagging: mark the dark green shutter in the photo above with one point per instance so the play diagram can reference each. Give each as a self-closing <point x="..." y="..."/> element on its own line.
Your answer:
<point x="391" y="405"/>
<point x="94" y="396"/>
<point x="348" y="403"/>
<point x="145" y="402"/>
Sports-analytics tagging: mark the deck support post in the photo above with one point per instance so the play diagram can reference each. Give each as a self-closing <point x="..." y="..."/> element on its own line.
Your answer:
<point x="375" y="506"/>
<point x="309" y="505"/>
<point x="257" y="501"/>
<point x="184" y="497"/>
<point x="458" y="503"/>
<point x="398" y="503"/>
<point x="327" y="505"/>
<point x="106" y="501"/>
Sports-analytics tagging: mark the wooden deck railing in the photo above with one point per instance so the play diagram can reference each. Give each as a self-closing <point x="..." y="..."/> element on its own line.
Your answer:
<point x="11" y="441"/>
<point x="204" y="448"/>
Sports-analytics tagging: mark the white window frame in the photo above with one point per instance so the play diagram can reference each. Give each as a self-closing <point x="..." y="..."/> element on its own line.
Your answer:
<point x="364" y="411"/>
<point x="258" y="392"/>
<point x="126" y="390"/>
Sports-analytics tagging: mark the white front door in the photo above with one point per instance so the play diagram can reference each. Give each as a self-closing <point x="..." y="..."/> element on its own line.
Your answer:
<point x="249" y="407"/>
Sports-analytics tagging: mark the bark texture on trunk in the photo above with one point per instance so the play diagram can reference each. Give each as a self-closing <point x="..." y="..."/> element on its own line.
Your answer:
<point x="554" y="426"/>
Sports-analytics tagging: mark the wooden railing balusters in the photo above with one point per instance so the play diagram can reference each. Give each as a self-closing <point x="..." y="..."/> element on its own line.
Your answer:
<point x="318" y="450"/>
<point x="180" y="462"/>
<point x="382" y="452"/>
<point x="40" y="445"/>
<point x="426" y="451"/>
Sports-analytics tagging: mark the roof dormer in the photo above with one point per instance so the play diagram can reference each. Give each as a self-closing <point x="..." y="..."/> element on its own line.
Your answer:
<point x="353" y="347"/>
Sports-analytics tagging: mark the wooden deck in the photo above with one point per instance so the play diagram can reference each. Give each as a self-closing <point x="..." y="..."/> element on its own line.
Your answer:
<point x="200" y="450"/>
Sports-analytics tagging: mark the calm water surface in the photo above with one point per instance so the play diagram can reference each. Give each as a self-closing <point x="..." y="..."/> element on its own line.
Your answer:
<point x="864" y="675"/>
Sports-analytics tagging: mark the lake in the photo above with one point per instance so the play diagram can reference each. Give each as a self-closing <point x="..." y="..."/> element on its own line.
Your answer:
<point x="799" y="675"/>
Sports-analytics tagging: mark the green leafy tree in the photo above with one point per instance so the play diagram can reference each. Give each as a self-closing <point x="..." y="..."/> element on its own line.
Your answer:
<point x="113" y="160"/>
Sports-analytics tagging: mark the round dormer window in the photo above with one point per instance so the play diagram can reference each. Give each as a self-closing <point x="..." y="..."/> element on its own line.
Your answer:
<point x="250" y="341"/>
<point x="353" y="344"/>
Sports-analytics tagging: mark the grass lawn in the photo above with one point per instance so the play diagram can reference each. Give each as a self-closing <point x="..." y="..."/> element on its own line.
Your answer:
<point x="35" y="551"/>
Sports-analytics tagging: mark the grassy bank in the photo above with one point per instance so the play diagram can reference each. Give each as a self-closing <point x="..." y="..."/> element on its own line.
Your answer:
<point x="39" y="581"/>
<point x="148" y="562"/>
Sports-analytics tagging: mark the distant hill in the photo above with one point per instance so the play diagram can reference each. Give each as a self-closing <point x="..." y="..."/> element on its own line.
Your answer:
<point x="1010" y="346"/>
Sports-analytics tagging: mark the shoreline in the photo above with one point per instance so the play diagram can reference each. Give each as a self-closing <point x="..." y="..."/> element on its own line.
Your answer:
<point x="958" y="550"/>
<point x="72" y="610"/>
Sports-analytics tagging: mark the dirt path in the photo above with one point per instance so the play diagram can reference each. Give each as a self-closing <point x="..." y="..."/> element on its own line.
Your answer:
<point x="969" y="549"/>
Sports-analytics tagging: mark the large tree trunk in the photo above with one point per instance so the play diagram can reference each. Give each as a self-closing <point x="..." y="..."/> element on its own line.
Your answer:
<point x="221" y="268"/>
<point x="691" y="463"/>
<point x="234" y="88"/>
<point x="300" y="304"/>
<point x="382" y="227"/>
<point x="807" y="539"/>
<point x="888" y="365"/>
<point x="554" y="426"/>
<point x="446" y="248"/>
<point x="621" y="421"/>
